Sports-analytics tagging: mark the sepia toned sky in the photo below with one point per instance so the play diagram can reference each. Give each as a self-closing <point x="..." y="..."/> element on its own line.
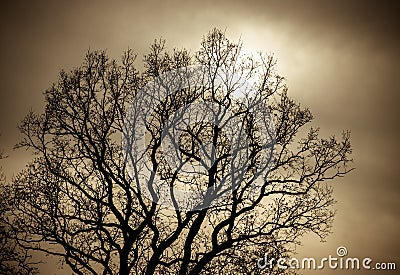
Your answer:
<point x="340" y="58"/>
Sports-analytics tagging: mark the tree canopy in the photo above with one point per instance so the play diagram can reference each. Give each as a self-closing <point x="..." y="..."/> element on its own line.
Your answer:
<point x="113" y="156"/>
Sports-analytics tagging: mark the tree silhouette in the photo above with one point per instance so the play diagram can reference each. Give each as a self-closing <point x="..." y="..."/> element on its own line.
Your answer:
<point x="13" y="258"/>
<point x="205" y="180"/>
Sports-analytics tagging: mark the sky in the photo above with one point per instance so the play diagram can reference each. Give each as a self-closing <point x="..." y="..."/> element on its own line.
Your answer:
<point x="339" y="58"/>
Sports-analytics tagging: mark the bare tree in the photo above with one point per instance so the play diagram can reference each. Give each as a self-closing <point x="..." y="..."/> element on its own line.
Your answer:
<point x="205" y="181"/>
<point x="13" y="258"/>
